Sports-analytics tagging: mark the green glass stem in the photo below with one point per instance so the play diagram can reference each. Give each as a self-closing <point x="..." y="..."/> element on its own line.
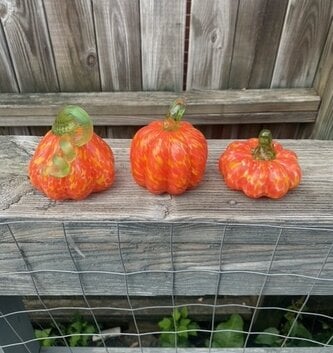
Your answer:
<point x="75" y="129"/>
<point x="265" y="150"/>
<point x="174" y="115"/>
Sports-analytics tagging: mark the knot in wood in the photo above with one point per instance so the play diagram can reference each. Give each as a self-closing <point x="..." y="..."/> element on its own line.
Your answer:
<point x="3" y="10"/>
<point x="91" y="60"/>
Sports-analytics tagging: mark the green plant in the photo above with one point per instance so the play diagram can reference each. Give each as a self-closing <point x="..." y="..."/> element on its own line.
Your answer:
<point x="79" y="331"/>
<point x="43" y="336"/>
<point x="288" y="325"/>
<point x="179" y="328"/>
<point x="228" y="337"/>
<point x="78" y="327"/>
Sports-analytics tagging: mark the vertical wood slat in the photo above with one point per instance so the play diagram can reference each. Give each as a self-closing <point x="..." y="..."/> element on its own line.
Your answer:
<point x="8" y="80"/>
<point x="211" y="41"/>
<point x="249" y="20"/>
<point x="28" y="42"/>
<point x="323" y="128"/>
<point x="73" y="39"/>
<point x="267" y="44"/>
<point x="117" y="25"/>
<point x="162" y="43"/>
<point x="303" y="37"/>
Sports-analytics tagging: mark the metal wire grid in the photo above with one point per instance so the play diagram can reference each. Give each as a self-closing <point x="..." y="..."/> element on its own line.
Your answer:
<point x="314" y="280"/>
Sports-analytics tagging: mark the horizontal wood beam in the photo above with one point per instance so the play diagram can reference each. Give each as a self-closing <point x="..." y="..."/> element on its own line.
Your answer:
<point x="144" y="222"/>
<point x="139" y="108"/>
<point x="189" y="350"/>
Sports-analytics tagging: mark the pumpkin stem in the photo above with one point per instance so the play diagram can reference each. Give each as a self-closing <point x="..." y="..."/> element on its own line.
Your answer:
<point x="175" y="114"/>
<point x="265" y="149"/>
<point x="75" y="129"/>
<point x="75" y="122"/>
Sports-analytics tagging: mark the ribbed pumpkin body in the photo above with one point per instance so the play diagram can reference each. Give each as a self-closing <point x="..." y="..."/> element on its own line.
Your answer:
<point x="74" y="162"/>
<point x="168" y="158"/>
<point x="257" y="177"/>
<point x="91" y="171"/>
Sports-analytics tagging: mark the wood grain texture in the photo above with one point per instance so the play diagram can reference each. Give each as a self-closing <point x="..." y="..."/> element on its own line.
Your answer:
<point x="139" y="108"/>
<point x="323" y="128"/>
<point x="147" y="309"/>
<point x="187" y="350"/>
<point x="267" y="44"/>
<point x="72" y="35"/>
<point x="162" y="44"/>
<point x="8" y="81"/>
<point x="29" y="46"/>
<point x="302" y="41"/>
<point x="309" y="202"/>
<point x="249" y="21"/>
<point x="143" y="220"/>
<point x="211" y="43"/>
<point x="117" y="25"/>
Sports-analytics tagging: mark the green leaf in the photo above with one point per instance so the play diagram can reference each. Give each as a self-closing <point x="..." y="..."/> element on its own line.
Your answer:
<point x="184" y="322"/>
<point x="299" y="330"/>
<point x="43" y="335"/>
<point x="183" y="332"/>
<point x="229" y="339"/>
<point x="184" y="312"/>
<point x="165" y="324"/>
<point x="176" y="314"/>
<point x="193" y="326"/>
<point x="74" y="341"/>
<point x="269" y="340"/>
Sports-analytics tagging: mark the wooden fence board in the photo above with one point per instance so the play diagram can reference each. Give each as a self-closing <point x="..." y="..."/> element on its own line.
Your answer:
<point x="249" y="21"/>
<point x="267" y="44"/>
<point x="27" y="37"/>
<point x="117" y="24"/>
<point x="139" y="108"/>
<point x="144" y="232"/>
<point x="146" y="254"/>
<point x="323" y="129"/>
<point x="310" y="202"/>
<point x="211" y="43"/>
<point x="303" y="37"/>
<point x="187" y="350"/>
<point x="8" y="81"/>
<point x="73" y="40"/>
<point x="117" y="310"/>
<point x="162" y="44"/>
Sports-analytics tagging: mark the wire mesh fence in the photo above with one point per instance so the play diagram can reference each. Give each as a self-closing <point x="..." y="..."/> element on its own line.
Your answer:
<point x="173" y="260"/>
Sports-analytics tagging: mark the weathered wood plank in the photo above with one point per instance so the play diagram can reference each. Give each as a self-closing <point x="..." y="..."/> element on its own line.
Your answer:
<point x="146" y="254"/>
<point x="310" y="202"/>
<point x="144" y="231"/>
<point x="162" y="44"/>
<point x="323" y="128"/>
<point x="188" y="350"/>
<point x="72" y="35"/>
<point x="249" y="20"/>
<point x="29" y="45"/>
<point x="138" y="108"/>
<point x="267" y="44"/>
<point x="117" y="310"/>
<point x="198" y="119"/>
<point x="8" y="81"/>
<point x="117" y="25"/>
<point x="211" y="42"/>
<point x="302" y="41"/>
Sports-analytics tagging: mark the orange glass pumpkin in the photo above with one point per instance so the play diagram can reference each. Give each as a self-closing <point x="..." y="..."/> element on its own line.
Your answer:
<point x="260" y="167"/>
<point x="71" y="161"/>
<point x="169" y="155"/>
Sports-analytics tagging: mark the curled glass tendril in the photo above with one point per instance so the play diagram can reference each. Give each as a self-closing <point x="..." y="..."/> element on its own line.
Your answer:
<point x="74" y="127"/>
